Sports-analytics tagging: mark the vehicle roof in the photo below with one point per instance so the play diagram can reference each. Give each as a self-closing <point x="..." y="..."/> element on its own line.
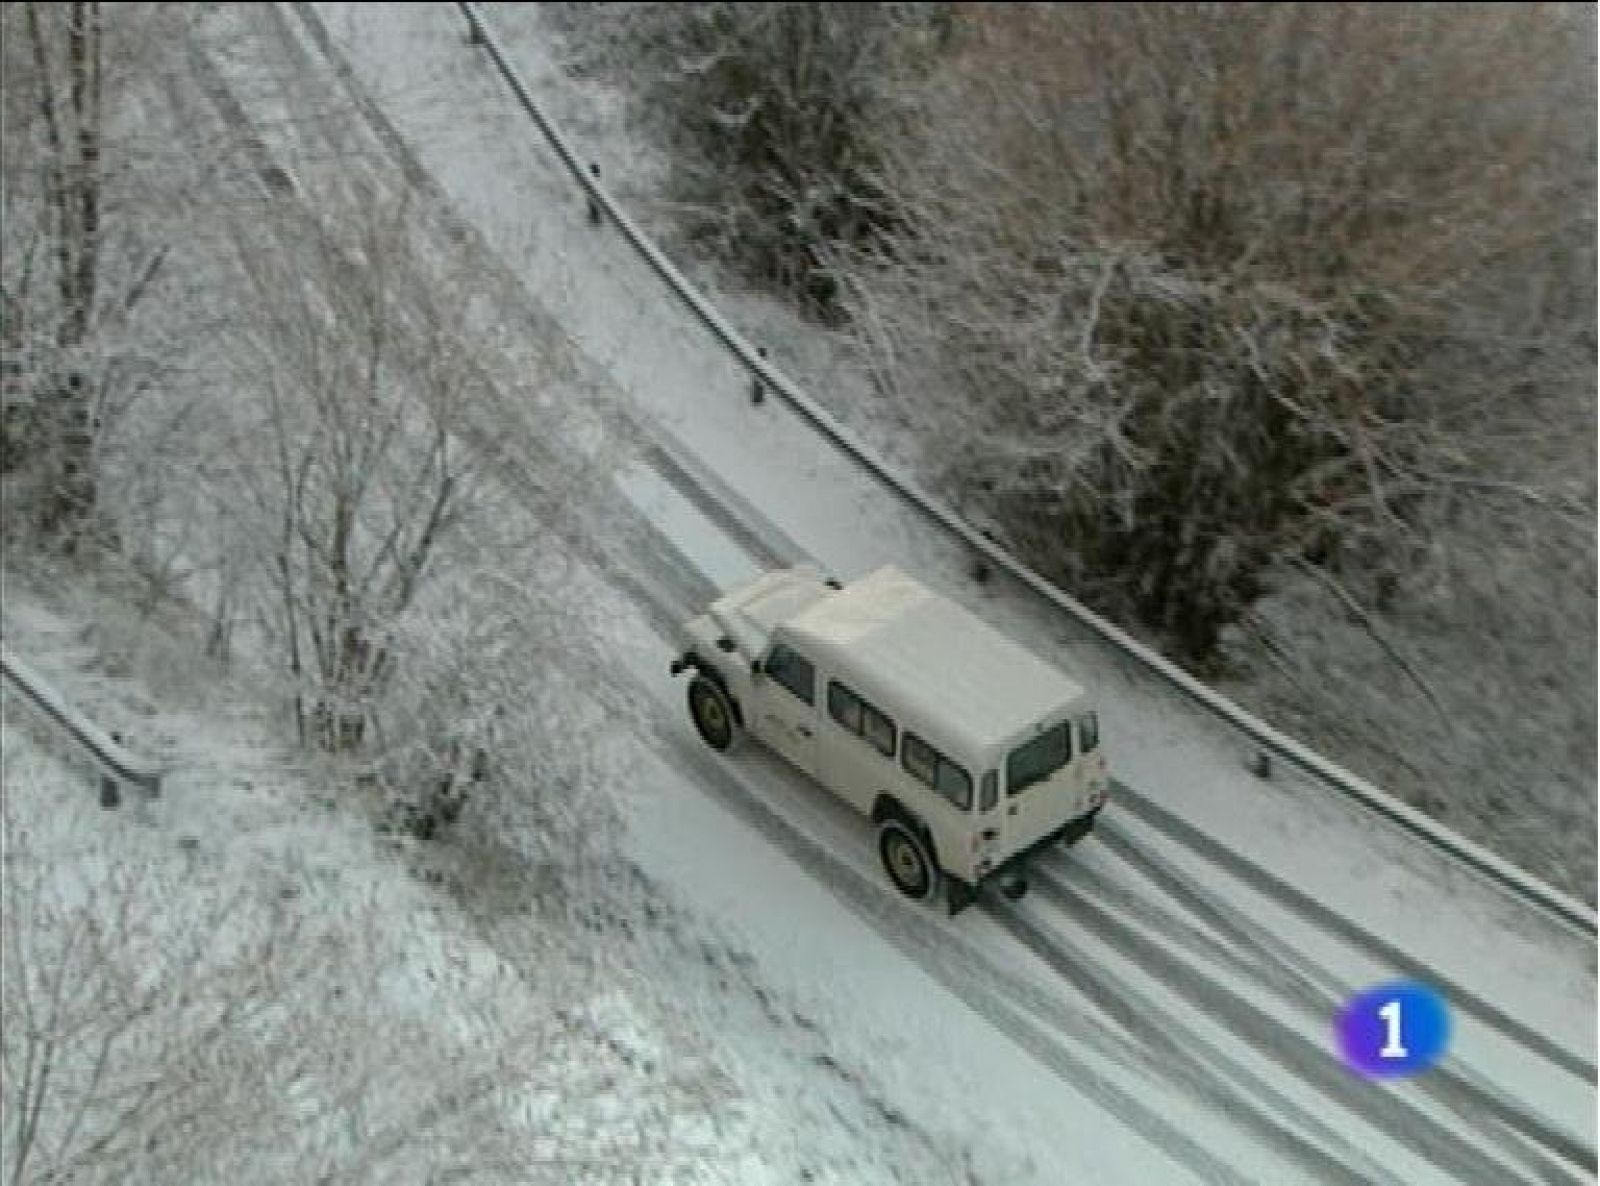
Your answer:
<point x="940" y="668"/>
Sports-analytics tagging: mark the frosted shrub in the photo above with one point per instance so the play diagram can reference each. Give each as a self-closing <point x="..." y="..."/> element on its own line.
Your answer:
<point x="770" y="108"/>
<point x="1181" y="290"/>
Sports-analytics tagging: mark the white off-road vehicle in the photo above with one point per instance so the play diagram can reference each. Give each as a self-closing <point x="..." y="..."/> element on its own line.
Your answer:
<point x="968" y="752"/>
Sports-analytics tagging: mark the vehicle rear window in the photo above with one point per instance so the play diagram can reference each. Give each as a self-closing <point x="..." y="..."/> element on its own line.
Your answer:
<point x="1088" y="732"/>
<point x="990" y="794"/>
<point x="928" y="765"/>
<point x="1038" y="759"/>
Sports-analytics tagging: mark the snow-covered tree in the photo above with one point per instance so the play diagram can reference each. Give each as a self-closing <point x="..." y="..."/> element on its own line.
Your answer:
<point x="769" y="110"/>
<point x="1188" y="293"/>
<point x="83" y="247"/>
<point x="352" y="456"/>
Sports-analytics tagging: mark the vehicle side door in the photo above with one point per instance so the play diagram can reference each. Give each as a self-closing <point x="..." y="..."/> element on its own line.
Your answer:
<point x="857" y="755"/>
<point x="784" y="696"/>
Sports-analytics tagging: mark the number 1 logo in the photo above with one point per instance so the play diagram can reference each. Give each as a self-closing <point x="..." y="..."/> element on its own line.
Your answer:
<point x="1392" y="1048"/>
<point x="1393" y="1030"/>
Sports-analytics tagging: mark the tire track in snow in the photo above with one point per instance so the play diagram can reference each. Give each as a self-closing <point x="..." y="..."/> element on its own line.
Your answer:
<point x="1138" y="1016"/>
<point x="1315" y="992"/>
<point x="1035" y="1021"/>
<point x="1299" y="902"/>
<point x="1385" y="1111"/>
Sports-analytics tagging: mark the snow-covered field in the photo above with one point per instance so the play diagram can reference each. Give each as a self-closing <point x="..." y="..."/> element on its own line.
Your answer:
<point x="743" y="999"/>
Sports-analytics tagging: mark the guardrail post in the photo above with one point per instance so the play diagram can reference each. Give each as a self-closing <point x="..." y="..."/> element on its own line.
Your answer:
<point x="594" y="206"/>
<point x="474" y="37"/>
<point x="110" y="791"/>
<point x="757" y="391"/>
<point x="1261" y="764"/>
<point x="981" y="572"/>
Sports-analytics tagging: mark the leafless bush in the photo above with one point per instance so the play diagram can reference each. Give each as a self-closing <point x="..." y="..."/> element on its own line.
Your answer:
<point x="769" y="110"/>
<point x="373" y="528"/>
<point x="1183" y="289"/>
<point x="112" y="1035"/>
<point x="198" y="1038"/>
<point x="493" y="711"/>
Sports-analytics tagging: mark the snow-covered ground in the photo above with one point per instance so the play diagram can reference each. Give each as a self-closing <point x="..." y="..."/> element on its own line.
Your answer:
<point x="1150" y="1014"/>
<point x="391" y="1038"/>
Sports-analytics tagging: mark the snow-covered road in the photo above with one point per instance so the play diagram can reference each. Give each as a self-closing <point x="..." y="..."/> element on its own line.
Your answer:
<point x="1160" y="1010"/>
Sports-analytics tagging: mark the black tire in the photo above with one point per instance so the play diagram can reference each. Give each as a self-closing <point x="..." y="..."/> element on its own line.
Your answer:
<point x="712" y="712"/>
<point x="907" y="860"/>
<point x="1078" y="829"/>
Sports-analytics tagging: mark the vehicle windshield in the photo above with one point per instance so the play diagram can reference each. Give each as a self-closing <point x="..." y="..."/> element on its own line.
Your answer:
<point x="1038" y="759"/>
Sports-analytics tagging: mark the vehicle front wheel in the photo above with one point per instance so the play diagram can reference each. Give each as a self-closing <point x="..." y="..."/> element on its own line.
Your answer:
<point x="712" y="712"/>
<point x="907" y="860"/>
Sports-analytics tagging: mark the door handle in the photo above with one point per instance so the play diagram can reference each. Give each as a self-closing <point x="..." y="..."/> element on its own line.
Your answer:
<point x="804" y="732"/>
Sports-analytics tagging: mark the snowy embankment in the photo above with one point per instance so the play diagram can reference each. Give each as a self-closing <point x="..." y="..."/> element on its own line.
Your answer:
<point x="268" y="988"/>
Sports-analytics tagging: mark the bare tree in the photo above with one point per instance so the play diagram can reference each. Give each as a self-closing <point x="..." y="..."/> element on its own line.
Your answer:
<point x="363" y="477"/>
<point x="1268" y="329"/>
<point x="80" y="252"/>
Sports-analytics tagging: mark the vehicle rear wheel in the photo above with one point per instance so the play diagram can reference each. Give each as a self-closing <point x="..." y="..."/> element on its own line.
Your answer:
<point x="907" y="860"/>
<point x="1078" y="829"/>
<point x="712" y="712"/>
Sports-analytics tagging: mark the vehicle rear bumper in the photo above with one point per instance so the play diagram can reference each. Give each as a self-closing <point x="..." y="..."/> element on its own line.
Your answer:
<point x="962" y="894"/>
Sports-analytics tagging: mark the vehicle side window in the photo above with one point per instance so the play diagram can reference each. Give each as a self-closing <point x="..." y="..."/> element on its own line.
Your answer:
<point x="844" y="707"/>
<point x="794" y="671"/>
<point x="878" y="729"/>
<point x="1038" y="759"/>
<point x="990" y="794"/>
<point x="1088" y="732"/>
<point x="954" y="783"/>
<point x="928" y="765"/>
<point x="860" y="718"/>
<point x="919" y="759"/>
